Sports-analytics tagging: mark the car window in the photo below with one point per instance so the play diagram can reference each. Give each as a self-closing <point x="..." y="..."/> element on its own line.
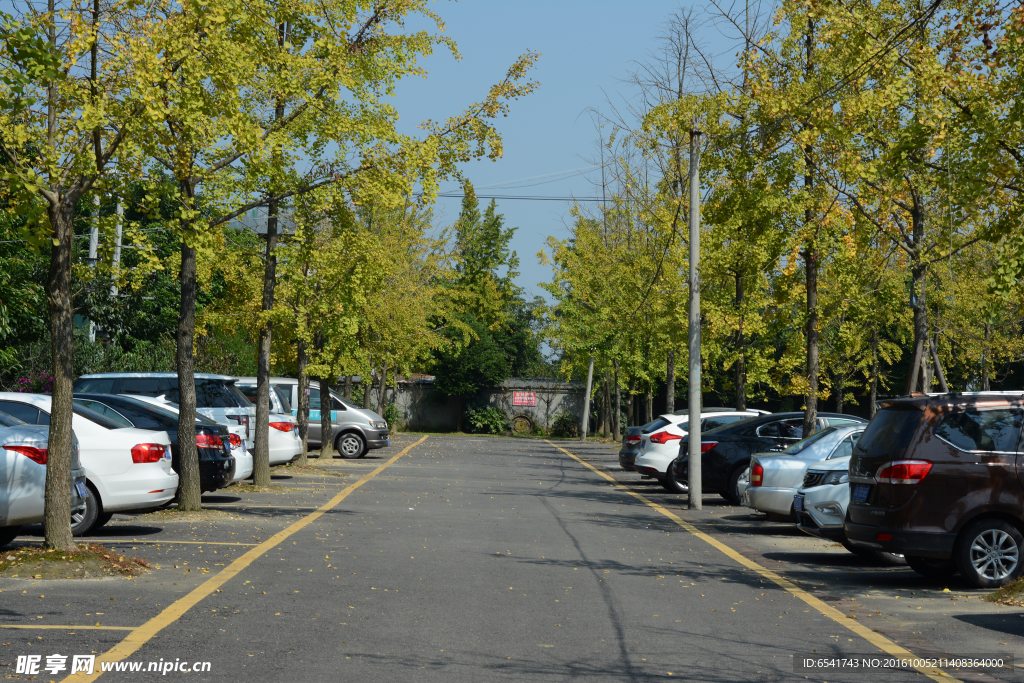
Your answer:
<point x="981" y="430"/>
<point x="770" y="430"/>
<point x="106" y="411"/>
<point x="314" y="398"/>
<point x="147" y="386"/>
<point x="95" y="386"/>
<point x="722" y="420"/>
<point x="841" y="421"/>
<point x="283" y="392"/>
<point x="91" y="416"/>
<point x="844" y="448"/>
<point x="337" y="403"/>
<point x="345" y="405"/>
<point x="814" y="438"/>
<point x="148" y="416"/>
<point x="212" y="393"/>
<point x="654" y="425"/>
<point x="9" y="420"/>
<point x="23" y="411"/>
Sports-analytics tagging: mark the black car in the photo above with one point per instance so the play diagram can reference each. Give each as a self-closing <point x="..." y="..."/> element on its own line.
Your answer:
<point x="630" y="448"/>
<point x="216" y="464"/>
<point x="726" y="451"/>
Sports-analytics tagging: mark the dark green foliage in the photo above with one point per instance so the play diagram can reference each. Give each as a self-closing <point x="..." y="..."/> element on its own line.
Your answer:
<point x="466" y="368"/>
<point x="566" y="424"/>
<point x="486" y="420"/>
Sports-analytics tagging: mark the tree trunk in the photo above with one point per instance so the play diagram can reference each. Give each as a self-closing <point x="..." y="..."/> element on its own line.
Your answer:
<point x="648" y="404"/>
<point x="367" y="388"/>
<point x="873" y="397"/>
<point x="458" y="419"/>
<point x="740" y="380"/>
<point x="984" y="357"/>
<point x="607" y="420"/>
<point x="57" y="495"/>
<point x="261" y="456"/>
<point x="382" y="395"/>
<point x="302" y="392"/>
<point x="617" y="409"/>
<point x="918" y="273"/>
<point x="811" y="271"/>
<point x="840" y="394"/>
<point x="348" y="387"/>
<point x="631" y="405"/>
<point x="670" y="382"/>
<point x="326" y="423"/>
<point x="189" y="491"/>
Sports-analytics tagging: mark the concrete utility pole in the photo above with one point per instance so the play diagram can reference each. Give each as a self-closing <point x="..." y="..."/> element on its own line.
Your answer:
<point x="94" y="244"/>
<point x="117" y="247"/>
<point x="693" y="394"/>
<point x="586" y="402"/>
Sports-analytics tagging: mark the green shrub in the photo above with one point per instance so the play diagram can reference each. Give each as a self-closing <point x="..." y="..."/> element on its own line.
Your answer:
<point x="486" y="420"/>
<point x="566" y="424"/>
<point x="392" y="415"/>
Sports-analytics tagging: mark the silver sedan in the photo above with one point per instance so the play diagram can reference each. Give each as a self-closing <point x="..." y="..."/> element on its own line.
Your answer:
<point x="775" y="477"/>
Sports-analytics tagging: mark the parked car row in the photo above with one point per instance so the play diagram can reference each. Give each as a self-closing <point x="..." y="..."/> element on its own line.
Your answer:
<point x="935" y="481"/>
<point x="126" y="455"/>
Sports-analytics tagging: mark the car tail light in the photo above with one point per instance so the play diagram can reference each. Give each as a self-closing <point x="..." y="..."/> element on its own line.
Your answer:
<point x="706" y="446"/>
<point x="903" y="472"/>
<point x="282" y="426"/>
<point x="33" y="453"/>
<point x="147" y="452"/>
<point x="883" y="537"/>
<point x="664" y="437"/>
<point x="633" y="440"/>
<point x="235" y="440"/>
<point x="209" y="441"/>
<point x="756" y="474"/>
<point x="242" y="420"/>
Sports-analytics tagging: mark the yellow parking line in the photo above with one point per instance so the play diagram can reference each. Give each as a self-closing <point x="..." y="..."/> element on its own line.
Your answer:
<point x="117" y="540"/>
<point x="875" y="639"/>
<point x="71" y="628"/>
<point x="143" y="634"/>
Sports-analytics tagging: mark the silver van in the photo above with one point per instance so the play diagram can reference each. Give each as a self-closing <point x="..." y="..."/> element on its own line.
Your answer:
<point x="356" y="430"/>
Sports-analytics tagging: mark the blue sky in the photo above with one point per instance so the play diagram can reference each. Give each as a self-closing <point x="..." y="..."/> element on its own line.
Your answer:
<point x="587" y="49"/>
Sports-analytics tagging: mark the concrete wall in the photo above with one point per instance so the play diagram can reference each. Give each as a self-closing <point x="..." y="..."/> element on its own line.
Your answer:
<point x="423" y="407"/>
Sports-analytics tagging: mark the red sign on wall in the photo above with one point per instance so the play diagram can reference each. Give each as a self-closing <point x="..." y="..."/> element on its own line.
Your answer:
<point x="524" y="398"/>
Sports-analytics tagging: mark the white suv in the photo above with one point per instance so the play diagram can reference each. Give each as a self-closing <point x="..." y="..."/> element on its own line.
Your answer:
<point x="659" y="440"/>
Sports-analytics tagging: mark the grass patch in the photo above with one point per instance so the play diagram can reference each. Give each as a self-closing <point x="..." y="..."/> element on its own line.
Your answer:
<point x="173" y="514"/>
<point x="248" y="487"/>
<point x="89" y="561"/>
<point x="1011" y="594"/>
<point x="312" y="469"/>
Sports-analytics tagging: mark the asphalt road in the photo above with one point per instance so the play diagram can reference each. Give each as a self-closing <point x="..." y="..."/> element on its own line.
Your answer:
<point x="467" y="559"/>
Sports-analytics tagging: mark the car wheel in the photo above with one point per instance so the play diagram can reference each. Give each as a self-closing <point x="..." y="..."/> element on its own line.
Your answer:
<point x="102" y="519"/>
<point x="84" y="520"/>
<point x="732" y="492"/>
<point x="8" y="534"/>
<point x="351" y="445"/>
<point x="931" y="567"/>
<point x="988" y="553"/>
<point x="671" y="484"/>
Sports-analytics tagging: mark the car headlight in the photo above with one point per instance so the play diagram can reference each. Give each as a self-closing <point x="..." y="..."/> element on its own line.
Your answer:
<point x="833" y="510"/>
<point x="837" y="477"/>
<point x="379" y="425"/>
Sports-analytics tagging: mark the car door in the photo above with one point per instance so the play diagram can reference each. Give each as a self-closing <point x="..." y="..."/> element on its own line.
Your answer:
<point x="313" y="436"/>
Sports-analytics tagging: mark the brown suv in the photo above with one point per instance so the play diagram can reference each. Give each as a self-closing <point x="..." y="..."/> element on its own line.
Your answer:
<point x="938" y="479"/>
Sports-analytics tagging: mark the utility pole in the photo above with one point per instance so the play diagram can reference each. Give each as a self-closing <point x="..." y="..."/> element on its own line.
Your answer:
<point x="693" y="394"/>
<point x="585" y="422"/>
<point x="94" y="245"/>
<point x="117" y="247"/>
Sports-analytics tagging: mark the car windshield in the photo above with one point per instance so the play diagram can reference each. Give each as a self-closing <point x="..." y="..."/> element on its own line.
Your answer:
<point x="804" y="444"/>
<point x="654" y="425"/>
<point x="9" y="420"/>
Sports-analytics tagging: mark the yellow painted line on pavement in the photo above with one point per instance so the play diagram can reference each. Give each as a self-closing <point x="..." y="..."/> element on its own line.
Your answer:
<point x="119" y="541"/>
<point x="143" y="634"/>
<point x="71" y="628"/>
<point x="876" y="639"/>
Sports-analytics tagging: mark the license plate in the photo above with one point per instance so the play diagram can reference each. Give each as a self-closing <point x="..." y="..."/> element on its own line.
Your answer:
<point x="80" y="487"/>
<point x="798" y="502"/>
<point x="859" y="494"/>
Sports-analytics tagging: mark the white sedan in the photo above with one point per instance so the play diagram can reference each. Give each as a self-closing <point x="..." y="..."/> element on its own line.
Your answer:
<point x="659" y="441"/>
<point x="125" y="468"/>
